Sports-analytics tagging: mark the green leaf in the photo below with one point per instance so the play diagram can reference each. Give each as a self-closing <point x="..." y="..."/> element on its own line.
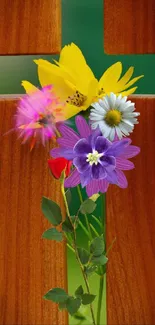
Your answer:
<point x="68" y="196"/>
<point x="88" y="206"/>
<point x="97" y="246"/>
<point x="62" y="305"/>
<point x="67" y="225"/>
<point x="53" y="234"/>
<point x="83" y="255"/>
<point x="99" y="260"/>
<point x="101" y="270"/>
<point x="79" y="316"/>
<point x="51" y="211"/>
<point x="79" y="291"/>
<point x="87" y="298"/>
<point x="90" y="269"/>
<point x="72" y="305"/>
<point x="57" y="295"/>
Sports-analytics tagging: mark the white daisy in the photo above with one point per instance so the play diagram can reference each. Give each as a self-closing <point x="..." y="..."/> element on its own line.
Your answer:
<point x="113" y="115"/>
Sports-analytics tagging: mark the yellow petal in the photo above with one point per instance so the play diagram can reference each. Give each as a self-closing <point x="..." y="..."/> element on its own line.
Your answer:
<point x="28" y="86"/>
<point x="109" y="79"/>
<point x="128" y="92"/>
<point x="72" y="58"/>
<point x="92" y="93"/>
<point x="50" y="67"/>
<point x="71" y="110"/>
<point x="130" y="83"/>
<point x="122" y="82"/>
<point x="53" y="77"/>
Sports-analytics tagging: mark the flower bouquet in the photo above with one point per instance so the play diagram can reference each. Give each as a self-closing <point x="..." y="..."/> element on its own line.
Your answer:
<point x="89" y="122"/>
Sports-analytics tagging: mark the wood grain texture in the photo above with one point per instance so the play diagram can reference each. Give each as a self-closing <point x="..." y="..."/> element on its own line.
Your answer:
<point x="129" y="26"/>
<point x="30" y="27"/>
<point x="29" y="265"/>
<point x="131" y="218"/>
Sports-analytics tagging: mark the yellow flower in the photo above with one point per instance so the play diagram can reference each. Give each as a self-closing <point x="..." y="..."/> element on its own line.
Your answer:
<point x="75" y="83"/>
<point x="73" y="80"/>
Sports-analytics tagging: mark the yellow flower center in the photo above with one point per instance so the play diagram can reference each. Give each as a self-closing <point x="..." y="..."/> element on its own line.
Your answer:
<point x="77" y="99"/>
<point x="113" y="117"/>
<point x="93" y="158"/>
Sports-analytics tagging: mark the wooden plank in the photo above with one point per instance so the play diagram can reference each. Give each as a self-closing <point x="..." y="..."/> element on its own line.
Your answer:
<point x="30" y="27"/>
<point x="129" y="26"/>
<point x="131" y="218"/>
<point x="29" y="265"/>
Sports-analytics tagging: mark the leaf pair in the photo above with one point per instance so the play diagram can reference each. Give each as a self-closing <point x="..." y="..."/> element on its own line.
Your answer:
<point x="86" y="298"/>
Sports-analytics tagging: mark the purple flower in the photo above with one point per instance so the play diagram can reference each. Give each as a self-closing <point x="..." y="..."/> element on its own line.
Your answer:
<point x="37" y="114"/>
<point x="97" y="161"/>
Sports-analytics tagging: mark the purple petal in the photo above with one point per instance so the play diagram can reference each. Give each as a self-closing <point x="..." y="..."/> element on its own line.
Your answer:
<point x="93" y="137"/>
<point x="86" y="177"/>
<point x="82" y="126"/>
<point x="62" y="152"/>
<point x="82" y="147"/>
<point x="124" y="164"/>
<point x="117" y="148"/>
<point x="69" y="134"/>
<point x="73" y="180"/>
<point x="102" y="144"/>
<point x="81" y="164"/>
<point x="108" y="162"/>
<point x="93" y="187"/>
<point x="98" y="171"/>
<point x="130" y="152"/>
<point x="122" y="181"/>
<point x="112" y="177"/>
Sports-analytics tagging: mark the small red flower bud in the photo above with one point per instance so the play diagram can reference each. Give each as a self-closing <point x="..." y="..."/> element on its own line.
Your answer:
<point x="57" y="166"/>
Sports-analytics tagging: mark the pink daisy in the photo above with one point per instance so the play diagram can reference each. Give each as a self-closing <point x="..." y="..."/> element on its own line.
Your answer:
<point x="37" y="115"/>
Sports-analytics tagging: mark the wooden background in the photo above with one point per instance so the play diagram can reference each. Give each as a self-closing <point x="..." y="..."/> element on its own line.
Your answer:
<point x="131" y="218"/>
<point x="29" y="265"/>
<point x="129" y="26"/>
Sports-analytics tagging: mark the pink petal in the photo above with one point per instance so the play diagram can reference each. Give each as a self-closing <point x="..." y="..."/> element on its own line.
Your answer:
<point x="122" y="181"/>
<point x="55" y="153"/>
<point x="69" y="134"/>
<point x="103" y="184"/>
<point x="73" y="180"/>
<point x="124" y="164"/>
<point x="130" y="152"/>
<point x="82" y="126"/>
<point x="93" y="187"/>
<point x="65" y="142"/>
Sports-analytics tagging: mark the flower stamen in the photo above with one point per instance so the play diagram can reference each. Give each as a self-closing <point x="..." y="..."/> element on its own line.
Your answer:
<point x="94" y="157"/>
<point x="77" y="99"/>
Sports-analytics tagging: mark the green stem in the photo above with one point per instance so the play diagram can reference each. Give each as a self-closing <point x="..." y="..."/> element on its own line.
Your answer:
<point x="76" y="250"/>
<point x="84" y="229"/>
<point x="86" y="218"/>
<point x="100" y="299"/>
<point x="71" y="248"/>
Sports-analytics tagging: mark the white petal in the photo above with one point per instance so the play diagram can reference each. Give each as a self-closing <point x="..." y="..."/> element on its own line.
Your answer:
<point x="112" y="134"/>
<point x="118" y="131"/>
<point x="112" y="100"/>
